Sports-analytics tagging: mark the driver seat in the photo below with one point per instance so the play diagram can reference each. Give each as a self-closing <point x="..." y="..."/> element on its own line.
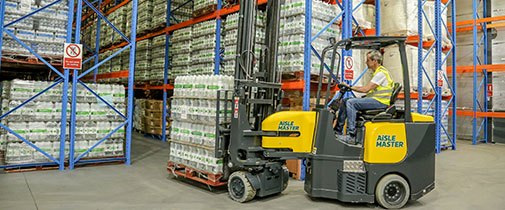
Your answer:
<point x="382" y="114"/>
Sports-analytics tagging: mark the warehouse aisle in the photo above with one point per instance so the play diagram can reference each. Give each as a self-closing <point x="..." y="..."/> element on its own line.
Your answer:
<point x="466" y="174"/>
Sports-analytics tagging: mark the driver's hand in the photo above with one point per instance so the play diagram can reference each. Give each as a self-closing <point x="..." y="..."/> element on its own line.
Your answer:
<point x="345" y="85"/>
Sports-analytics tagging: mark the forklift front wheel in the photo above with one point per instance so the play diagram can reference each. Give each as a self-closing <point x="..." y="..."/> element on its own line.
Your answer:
<point x="239" y="187"/>
<point x="392" y="192"/>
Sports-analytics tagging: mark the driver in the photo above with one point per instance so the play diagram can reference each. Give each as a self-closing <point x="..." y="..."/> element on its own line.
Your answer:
<point x="378" y="93"/>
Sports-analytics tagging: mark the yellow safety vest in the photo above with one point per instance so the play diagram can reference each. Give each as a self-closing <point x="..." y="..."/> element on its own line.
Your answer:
<point x="382" y="93"/>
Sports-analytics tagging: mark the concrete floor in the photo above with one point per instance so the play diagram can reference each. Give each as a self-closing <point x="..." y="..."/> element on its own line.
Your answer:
<point x="473" y="177"/>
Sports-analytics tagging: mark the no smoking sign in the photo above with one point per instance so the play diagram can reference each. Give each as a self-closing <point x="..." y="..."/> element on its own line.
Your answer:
<point x="72" y="56"/>
<point x="349" y="68"/>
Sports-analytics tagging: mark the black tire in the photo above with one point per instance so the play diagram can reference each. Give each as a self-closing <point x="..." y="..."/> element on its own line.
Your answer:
<point x="239" y="187"/>
<point x="392" y="192"/>
<point x="285" y="185"/>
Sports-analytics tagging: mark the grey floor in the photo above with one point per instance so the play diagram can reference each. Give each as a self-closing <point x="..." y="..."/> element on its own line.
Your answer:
<point x="473" y="177"/>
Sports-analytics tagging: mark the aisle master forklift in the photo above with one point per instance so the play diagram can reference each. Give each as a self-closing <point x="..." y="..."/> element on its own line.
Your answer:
<point x="394" y="164"/>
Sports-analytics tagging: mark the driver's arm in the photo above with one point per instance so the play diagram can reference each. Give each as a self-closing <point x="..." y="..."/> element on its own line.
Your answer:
<point x="364" y="89"/>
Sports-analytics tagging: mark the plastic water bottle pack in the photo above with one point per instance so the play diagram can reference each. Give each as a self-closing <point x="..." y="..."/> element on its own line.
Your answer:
<point x="40" y="121"/>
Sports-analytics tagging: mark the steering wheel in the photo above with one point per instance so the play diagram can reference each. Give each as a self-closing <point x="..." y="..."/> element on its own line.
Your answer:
<point x="335" y="103"/>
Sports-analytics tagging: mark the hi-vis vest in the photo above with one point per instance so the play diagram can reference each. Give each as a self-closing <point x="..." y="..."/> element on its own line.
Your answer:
<point x="382" y="93"/>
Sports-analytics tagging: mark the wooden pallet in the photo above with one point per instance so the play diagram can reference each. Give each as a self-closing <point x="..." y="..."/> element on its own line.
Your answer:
<point x="31" y="59"/>
<point x="31" y="168"/>
<point x="205" y="10"/>
<point x="186" y="172"/>
<point x="299" y="75"/>
<point x="295" y="169"/>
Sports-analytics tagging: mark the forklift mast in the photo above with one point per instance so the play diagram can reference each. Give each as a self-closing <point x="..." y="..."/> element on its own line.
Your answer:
<point x="246" y="59"/>
<point x="256" y="94"/>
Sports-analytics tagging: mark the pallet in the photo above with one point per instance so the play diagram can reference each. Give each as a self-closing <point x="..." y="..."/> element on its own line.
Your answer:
<point x="153" y="136"/>
<point x="299" y="75"/>
<point x="204" y="11"/>
<point x="31" y="59"/>
<point x="186" y="172"/>
<point x="295" y="169"/>
<point x="116" y="162"/>
<point x="31" y="168"/>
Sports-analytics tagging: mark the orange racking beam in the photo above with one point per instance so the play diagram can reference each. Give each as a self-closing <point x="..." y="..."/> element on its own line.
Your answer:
<point x="479" y="21"/>
<point x="87" y="15"/>
<point x="469" y="69"/>
<point x="111" y="10"/>
<point x="469" y="113"/>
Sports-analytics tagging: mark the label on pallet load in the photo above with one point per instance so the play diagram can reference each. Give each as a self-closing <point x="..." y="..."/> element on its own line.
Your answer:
<point x="440" y="78"/>
<point x="72" y="56"/>
<point x="489" y="90"/>
<point x="349" y="68"/>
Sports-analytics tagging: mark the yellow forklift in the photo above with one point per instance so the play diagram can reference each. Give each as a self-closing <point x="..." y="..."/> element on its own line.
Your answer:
<point x="394" y="164"/>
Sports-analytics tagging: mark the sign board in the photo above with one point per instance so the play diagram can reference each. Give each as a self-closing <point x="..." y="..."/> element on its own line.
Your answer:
<point x="72" y="56"/>
<point x="235" y="108"/>
<point x="348" y="68"/>
<point x="440" y="78"/>
<point x="490" y="90"/>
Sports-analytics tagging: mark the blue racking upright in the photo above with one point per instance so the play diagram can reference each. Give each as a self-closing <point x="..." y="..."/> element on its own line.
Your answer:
<point x="480" y="44"/>
<point x="63" y="78"/>
<point x="437" y="27"/>
<point x="77" y="80"/>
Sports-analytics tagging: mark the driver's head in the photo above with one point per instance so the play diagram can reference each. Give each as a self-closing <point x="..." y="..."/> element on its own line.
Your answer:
<point x="373" y="59"/>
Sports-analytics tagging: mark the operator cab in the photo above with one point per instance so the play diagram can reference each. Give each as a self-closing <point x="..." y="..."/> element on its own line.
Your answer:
<point x="390" y="113"/>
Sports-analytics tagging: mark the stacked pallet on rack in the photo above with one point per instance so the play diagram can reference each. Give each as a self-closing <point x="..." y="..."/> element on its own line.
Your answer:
<point x="157" y="70"/>
<point x="145" y="16"/>
<point x="148" y="115"/>
<point x="400" y="18"/>
<point x="203" y="47"/>
<point x="45" y="31"/>
<point x="181" y="52"/>
<point x="182" y="10"/>
<point x="203" y="7"/>
<point x="95" y="120"/>
<point x="153" y="116"/>
<point x="230" y="40"/>
<point x="292" y="33"/>
<point x="39" y="122"/>
<point x="143" y="60"/>
<point x="138" y="114"/>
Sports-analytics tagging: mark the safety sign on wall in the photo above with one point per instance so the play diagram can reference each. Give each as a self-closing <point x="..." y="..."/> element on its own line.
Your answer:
<point x="348" y="68"/>
<point x="72" y="56"/>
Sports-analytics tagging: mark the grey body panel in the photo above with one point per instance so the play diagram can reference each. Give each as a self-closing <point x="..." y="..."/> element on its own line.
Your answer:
<point x="418" y="167"/>
<point x="325" y="177"/>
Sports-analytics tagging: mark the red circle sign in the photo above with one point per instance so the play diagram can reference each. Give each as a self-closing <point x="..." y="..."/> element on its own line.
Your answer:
<point x="73" y="50"/>
<point x="349" y="63"/>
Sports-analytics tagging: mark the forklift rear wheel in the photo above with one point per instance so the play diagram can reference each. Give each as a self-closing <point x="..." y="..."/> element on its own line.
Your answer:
<point x="240" y="188"/>
<point x="392" y="192"/>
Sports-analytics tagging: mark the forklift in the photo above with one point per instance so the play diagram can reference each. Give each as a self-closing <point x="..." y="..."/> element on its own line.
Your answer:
<point x="394" y="164"/>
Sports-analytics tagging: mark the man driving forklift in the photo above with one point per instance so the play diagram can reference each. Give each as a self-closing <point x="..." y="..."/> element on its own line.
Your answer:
<point x="378" y="94"/>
